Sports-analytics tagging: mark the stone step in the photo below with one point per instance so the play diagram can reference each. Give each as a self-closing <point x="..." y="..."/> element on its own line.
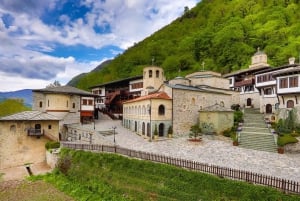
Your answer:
<point x="256" y="129"/>
<point x="254" y="124"/>
<point x="258" y="141"/>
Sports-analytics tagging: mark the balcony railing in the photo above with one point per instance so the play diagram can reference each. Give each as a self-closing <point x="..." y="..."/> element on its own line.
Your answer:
<point x="35" y="132"/>
<point x="244" y="82"/>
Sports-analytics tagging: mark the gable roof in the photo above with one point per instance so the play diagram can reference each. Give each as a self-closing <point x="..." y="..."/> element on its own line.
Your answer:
<point x="200" y="88"/>
<point x="64" y="90"/>
<point x="30" y="116"/>
<point x="157" y="95"/>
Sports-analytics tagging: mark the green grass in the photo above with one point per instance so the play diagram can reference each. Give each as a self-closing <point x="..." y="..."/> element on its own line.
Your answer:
<point x="11" y="106"/>
<point x="101" y="176"/>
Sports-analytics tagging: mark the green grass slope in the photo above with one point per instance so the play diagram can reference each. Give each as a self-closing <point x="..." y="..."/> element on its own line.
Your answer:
<point x="100" y="176"/>
<point x="11" y="106"/>
<point x="223" y="34"/>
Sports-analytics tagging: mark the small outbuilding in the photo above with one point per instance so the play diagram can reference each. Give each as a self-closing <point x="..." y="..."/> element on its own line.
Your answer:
<point x="215" y="119"/>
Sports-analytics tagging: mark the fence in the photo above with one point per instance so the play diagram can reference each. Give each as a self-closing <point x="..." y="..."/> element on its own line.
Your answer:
<point x="255" y="178"/>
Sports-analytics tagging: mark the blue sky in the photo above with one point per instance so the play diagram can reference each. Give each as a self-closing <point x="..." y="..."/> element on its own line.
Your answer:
<point x="48" y="40"/>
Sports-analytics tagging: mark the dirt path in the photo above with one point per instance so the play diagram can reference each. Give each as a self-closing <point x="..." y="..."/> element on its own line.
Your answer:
<point x="20" y="172"/>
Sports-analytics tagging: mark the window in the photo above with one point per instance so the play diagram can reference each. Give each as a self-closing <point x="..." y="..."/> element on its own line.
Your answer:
<point x="48" y="103"/>
<point x="90" y="102"/>
<point x="161" y="110"/>
<point x="268" y="91"/>
<point x="293" y="81"/>
<point x="73" y="105"/>
<point x="49" y="127"/>
<point x="290" y="104"/>
<point x="84" y="101"/>
<point x="137" y="85"/>
<point x="41" y="104"/>
<point x="157" y="73"/>
<point x="67" y="103"/>
<point x="150" y="73"/>
<point x="283" y="83"/>
<point x="230" y="81"/>
<point x="13" y="128"/>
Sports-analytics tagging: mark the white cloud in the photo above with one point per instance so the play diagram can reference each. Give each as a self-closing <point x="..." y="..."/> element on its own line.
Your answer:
<point x="26" y="39"/>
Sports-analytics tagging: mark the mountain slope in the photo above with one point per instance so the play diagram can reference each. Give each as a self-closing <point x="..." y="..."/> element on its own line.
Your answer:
<point x="25" y="94"/>
<point x="219" y="35"/>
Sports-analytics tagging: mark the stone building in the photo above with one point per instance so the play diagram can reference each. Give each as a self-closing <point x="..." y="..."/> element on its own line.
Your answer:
<point x="68" y="103"/>
<point x="243" y="80"/>
<point x="181" y="99"/>
<point x="142" y="115"/>
<point x="23" y="137"/>
<point x="215" y="119"/>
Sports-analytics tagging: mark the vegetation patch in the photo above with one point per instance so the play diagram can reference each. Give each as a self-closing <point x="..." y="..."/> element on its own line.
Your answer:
<point x="11" y="106"/>
<point x="52" y="145"/>
<point x="102" y="176"/>
<point x="286" y="139"/>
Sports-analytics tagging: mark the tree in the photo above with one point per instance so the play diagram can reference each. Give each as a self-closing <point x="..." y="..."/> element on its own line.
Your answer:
<point x="195" y="131"/>
<point x="54" y="84"/>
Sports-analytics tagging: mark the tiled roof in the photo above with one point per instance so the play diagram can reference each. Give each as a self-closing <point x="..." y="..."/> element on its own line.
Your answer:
<point x="287" y="71"/>
<point x="116" y="81"/>
<point x="216" y="108"/>
<point x="64" y="90"/>
<point x="200" y="88"/>
<point x="248" y="70"/>
<point x="157" y="95"/>
<point x="30" y="116"/>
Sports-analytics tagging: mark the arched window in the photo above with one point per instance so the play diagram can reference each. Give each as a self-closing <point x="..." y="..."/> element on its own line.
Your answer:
<point x="150" y="73"/>
<point x="161" y="110"/>
<point x="143" y="128"/>
<point x="193" y="101"/>
<point x="157" y="73"/>
<point x="13" y="128"/>
<point x="41" y="104"/>
<point x="290" y="104"/>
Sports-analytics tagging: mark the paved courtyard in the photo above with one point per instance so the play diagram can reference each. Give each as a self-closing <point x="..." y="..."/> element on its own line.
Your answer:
<point x="218" y="151"/>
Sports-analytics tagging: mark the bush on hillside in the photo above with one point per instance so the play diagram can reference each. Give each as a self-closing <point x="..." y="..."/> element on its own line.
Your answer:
<point x="52" y="145"/>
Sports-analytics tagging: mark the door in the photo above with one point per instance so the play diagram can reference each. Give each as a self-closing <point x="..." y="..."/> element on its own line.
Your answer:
<point x="269" y="109"/>
<point x="249" y="102"/>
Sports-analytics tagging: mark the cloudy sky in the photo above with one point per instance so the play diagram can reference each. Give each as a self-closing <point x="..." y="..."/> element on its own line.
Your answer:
<point x="47" y="40"/>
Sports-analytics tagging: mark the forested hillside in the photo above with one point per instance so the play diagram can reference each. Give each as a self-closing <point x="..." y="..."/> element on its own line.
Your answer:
<point x="221" y="34"/>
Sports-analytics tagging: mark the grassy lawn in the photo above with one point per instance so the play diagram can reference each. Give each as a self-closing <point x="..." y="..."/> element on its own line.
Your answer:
<point x="31" y="191"/>
<point x="100" y="176"/>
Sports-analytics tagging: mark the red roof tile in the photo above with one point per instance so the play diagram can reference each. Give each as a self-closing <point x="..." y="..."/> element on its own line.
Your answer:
<point x="158" y="95"/>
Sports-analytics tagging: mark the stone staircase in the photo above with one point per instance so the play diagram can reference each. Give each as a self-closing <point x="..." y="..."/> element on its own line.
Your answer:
<point x="255" y="134"/>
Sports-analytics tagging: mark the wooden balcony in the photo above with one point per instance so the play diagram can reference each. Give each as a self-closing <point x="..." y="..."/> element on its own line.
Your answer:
<point x="244" y="83"/>
<point x="35" y="132"/>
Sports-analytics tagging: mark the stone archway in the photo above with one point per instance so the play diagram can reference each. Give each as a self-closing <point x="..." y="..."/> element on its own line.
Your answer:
<point x="161" y="129"/>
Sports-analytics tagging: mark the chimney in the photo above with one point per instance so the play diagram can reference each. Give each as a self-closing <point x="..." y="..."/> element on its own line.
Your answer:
<point x="292" y="60"/>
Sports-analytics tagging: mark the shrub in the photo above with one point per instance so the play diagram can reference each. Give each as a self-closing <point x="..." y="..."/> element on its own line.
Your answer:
<point x="64" y="164"/>
<point x="195" y="131"/>
<point x="238" y="116"/>
<point x="170" y="130"/>
<point x="286" y="139"/>
<point x="227" y="132"/>
<point x="52" y="145"/>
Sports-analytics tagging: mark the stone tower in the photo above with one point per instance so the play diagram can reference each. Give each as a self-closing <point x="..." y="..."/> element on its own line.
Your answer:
<point x="259" y="59"/>
<point x="153" y="78"/>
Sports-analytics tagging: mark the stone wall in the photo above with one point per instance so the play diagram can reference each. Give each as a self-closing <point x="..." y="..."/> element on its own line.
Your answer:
<point x="186" y="106"/>
<point x="16" y="148"/>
